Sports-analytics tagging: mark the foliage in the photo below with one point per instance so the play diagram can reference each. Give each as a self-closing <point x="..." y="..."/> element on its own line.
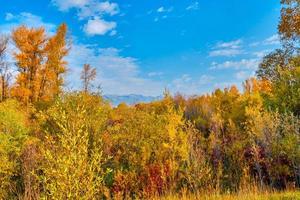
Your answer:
<point x="149" y="147"/>
<point x="290" y="20"/>
<point x="40" y="63"/>
<point x="13" y="133"/>
<point x="73" y="157"/>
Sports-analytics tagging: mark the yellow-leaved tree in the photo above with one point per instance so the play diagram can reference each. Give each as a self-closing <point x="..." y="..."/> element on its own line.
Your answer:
<point x="72" y="151"/>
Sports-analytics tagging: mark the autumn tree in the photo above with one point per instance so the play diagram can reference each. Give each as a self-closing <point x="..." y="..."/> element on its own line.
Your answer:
<point x="280" y="70"/>
<point x="149" y="146"/>
<point x="30" y="42"/>
<point x="5" y="71"/>
<point x="40" y="63"/>
<point x="282" y="66"/>
<point x="289" y="26"/>
<point x="287" y="91"/>
<point x="88" y="74"/>
<point x="269" y="68"/>
<point x="73" y="155"/>
<point x="55" y="66"/>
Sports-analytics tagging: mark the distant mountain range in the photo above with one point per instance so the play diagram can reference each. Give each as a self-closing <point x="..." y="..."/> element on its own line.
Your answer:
<point x="130" y="99"/>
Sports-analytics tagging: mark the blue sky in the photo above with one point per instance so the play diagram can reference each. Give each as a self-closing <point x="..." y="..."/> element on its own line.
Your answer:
<point x="144" y="46"/>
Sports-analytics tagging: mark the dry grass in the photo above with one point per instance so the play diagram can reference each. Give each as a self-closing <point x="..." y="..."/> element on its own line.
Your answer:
<point x="292" y="195"/>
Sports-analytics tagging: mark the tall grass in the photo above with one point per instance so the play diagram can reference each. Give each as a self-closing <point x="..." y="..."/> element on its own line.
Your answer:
<point x="287" y="195"/>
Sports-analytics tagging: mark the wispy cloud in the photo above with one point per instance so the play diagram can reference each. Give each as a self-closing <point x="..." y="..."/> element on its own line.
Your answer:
<point x="227" y="49"/>
<point x="273" y="40"/>
<point x="65" y="5"/>
<point x="99" y="9"/>
<point x="241" y="64"/>
<point x="163" y="9"/>
<point x="193" y="6"/>
<point x="87" y="8"/>
<point x="225" y="52"/>
<point x="235" y="44"/>
<point x="162" y="13"/>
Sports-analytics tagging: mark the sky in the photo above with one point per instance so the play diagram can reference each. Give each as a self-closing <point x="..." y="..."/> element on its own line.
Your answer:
<point x="144" y="47"/>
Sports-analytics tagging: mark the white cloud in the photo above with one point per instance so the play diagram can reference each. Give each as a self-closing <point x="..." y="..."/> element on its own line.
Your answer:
<point x="98" y="9"/>
<point x="88" y="8"/>
<point x="99" y="27"/>
<point x="241" y="64"/>
<point x="164" y="10"/>
<point x="94" y="12"/>
<point x="161" y="9"/>
<point x="225" y="52"/>
<point x="107" y="7"/>
<point x="273" y="40"/>
<point x="227" y="49"/>
<point x="193" y="6"/>
<point x="235" y="44"/>
<point x="116" y="74"/>
<point x="65" y="5"/>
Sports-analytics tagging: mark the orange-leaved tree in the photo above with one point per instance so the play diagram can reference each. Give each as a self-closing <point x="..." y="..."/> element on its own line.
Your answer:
<point x="29" y="59"/>
<point x="40" y="63"/>
<point x="55" y="66"/>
